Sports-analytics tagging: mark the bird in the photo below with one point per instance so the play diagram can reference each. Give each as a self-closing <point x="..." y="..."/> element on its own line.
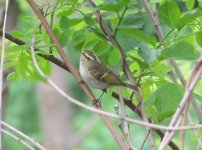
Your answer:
<point x="96" y="74"/>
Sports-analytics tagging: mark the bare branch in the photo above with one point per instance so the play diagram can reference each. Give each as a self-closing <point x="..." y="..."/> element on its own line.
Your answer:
<point x="51" y="58"/>
<point x="125" y="123"/>
<point x="22" y="135"/>
<point x="17" y="139"/>
<point x="183" y="123"/>
<point x="141" y="148"/>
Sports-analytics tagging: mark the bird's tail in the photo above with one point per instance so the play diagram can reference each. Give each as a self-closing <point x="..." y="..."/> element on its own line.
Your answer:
<point x="131" y="86"/>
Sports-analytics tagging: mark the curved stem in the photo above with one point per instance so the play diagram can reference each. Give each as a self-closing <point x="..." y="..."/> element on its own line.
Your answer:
<point x="119" y="22"/>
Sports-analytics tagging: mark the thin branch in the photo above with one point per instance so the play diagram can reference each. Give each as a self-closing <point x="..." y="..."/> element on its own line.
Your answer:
<point x="162" y="41"/>
<point x="52" y="18"/>
<point x="125" y="123"/>
<point x="2" y="63"/>
<point x="183" y="123"/>
<point x="194" y="130"/>
<point x="17" y="139"/>
<point x="119" y="22"/>
<point x="51" y="58"/>
<point x="23" y="135"/>
<point x="163" y="143"/>
<point x="141" y="148"/>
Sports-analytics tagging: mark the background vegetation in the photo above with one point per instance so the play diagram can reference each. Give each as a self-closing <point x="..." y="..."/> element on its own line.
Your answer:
<point x="148" y="55"/>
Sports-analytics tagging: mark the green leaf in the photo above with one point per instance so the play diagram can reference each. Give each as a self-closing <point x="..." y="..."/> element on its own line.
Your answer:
<point x="188" y="18"/>
<point x="199" y="38"/>
<point x="169" y="13"/>
<point x="101" y="47"/>
<point x="45" y="66"/>
<point x="114" y="6"/>
<point x="148" y="55"/>
<point x="65" y="13"/>
<point x="164" y="102"/>
<point x="160" y="70"/>
<point x="152" y="113"/>
<point x="132" y="21"/>
<point x="139" y="35"/>
<point x="17" y="33"/>
<point x="166" y="99"/>
<point x="114" y="57"/>
<point x="142" y="64"/>
<point x="182" y="50"/>
<point x="189" y="4"/>
<point x="197" y="137"/>
<point x="198" y="97"/>
<point x="90" y="21"/>
<point x="79" y="37"/>
<point x="64" y="23"/>
<point x="14" y="48"/>
<point x="9" y="65"/>
<point x="90" y="44"/>
<point x="96" y="31"/>
<point x="11" y="76"/>
<point x="161" y="116"/>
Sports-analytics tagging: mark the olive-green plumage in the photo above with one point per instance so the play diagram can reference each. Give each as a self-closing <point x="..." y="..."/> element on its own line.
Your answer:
<point x="95" y="73"/>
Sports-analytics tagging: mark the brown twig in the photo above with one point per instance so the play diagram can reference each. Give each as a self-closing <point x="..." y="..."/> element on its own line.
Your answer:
<point x="74" y="71"/>
<point x="183" y="123"/>
<point x="24" y="136"/>
<point x="125" y="127"/>
<point x="141" y="148"/>
<point x="119" y="22"/>
<point x="21" y="141"/>
<point x="51" y="58"/>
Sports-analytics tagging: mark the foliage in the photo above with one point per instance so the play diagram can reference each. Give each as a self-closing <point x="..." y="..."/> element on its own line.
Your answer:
<point x="77" y="29"/>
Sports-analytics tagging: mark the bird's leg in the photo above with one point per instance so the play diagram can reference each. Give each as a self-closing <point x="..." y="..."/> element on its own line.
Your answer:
<point x="99" y="99"/>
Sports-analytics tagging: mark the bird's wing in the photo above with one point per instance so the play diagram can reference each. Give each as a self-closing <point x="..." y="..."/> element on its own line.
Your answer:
<point x="102" y="73"/>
